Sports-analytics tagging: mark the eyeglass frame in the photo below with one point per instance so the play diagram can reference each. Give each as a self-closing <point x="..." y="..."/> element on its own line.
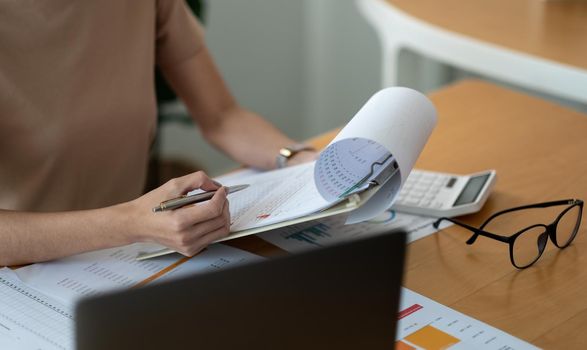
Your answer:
<point x="550" y="229"/>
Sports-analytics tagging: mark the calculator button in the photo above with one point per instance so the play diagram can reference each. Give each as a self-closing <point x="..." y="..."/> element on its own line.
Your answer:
<point x="411" y="201"/>
<point x="421" y="189"/>
<point x="426" y="203"/>
<point x="426" y="182"/>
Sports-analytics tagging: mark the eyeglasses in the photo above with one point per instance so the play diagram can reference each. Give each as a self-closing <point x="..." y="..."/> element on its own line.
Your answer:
<point x="527" y="244"/>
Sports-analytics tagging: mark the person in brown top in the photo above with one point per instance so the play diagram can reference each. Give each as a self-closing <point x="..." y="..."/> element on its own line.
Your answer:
<point x="78" y="116"/>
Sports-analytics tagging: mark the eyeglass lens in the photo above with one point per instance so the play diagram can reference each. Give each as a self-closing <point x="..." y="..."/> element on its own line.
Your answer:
<point x="528" y="246"/>
<point x="567" y="226"/>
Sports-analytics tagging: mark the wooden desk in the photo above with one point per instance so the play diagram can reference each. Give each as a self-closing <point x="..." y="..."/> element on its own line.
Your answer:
<point x="537" y="44"/>
<point x="538" y="151"/>
<point x="554" y="30"/>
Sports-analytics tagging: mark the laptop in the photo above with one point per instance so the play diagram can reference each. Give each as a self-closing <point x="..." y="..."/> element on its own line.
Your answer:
<point x="339" y="297"/>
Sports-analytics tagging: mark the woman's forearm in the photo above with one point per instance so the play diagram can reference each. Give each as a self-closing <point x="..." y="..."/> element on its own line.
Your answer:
<point x="32" y="237"/>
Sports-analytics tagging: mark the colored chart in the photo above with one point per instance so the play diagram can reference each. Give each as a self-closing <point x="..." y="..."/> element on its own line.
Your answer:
<point x="334" y="229"/>
<point x="426" y="324"/>
<point x="311" y="235"/>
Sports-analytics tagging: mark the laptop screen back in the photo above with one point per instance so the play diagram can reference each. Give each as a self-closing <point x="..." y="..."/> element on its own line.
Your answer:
<point x="341" y="297"/>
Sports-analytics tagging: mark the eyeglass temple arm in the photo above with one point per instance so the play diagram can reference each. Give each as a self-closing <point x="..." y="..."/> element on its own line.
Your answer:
<point x="530" y="206"/>
<point x="476" y="232"/>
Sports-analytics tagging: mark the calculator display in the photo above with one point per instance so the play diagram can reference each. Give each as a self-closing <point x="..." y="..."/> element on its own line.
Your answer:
<point x="471" y="190"/>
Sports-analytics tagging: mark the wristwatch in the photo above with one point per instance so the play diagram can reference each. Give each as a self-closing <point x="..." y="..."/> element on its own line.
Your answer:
<point x="288" y="152"/>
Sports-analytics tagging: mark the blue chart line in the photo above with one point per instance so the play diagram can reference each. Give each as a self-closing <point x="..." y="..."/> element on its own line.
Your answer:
<point x="384" y="218"/>
<point x="311" y="234"/>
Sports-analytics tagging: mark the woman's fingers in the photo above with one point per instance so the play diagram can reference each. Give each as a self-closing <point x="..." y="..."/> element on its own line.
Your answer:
<point x="202" y="224"/>
<point x="194" y="214"/>
<point x="182" y="185"/>
<point x="182" y="229"/>
<point x="204" y="241"/>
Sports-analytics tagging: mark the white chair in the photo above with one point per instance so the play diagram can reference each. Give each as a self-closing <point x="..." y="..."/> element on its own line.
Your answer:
<point x="397" y="30"/>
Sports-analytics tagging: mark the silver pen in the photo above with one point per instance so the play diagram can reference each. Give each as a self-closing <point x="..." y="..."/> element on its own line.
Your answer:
<point x="194" y="198"/>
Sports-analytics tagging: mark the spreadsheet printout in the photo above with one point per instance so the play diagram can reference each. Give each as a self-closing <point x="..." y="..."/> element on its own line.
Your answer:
<point x="92" y="273"/>
<point x="32" y="320"/>
<point x="215" y="257"/>
<point x="274" y="196"/>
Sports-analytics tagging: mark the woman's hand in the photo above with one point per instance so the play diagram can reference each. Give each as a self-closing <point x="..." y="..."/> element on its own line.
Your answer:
<point x="186" y="230"/>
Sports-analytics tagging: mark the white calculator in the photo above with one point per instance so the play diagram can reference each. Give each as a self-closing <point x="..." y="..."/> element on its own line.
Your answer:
<point x="439" y="194"/>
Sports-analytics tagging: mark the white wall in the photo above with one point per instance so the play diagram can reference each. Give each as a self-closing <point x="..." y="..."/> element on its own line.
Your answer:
<point x="342" y="59"/>
<point x="306" y="65"/>
<point x="258" y="46"/>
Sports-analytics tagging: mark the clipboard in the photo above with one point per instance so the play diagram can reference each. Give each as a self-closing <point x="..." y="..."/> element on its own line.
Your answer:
<point x="389" y="131"/>
<point x="351" y="203"/>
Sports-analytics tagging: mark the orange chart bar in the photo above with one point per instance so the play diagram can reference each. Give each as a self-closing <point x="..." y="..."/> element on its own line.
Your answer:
<point x="431" y="338"/>
<point x="400" y="345"/>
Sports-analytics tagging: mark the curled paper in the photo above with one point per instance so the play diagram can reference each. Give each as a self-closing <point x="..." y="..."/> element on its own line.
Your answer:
<point x="393" y="126"/>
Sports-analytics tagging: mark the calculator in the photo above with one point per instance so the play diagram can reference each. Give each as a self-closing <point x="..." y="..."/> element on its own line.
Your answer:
<point x="437" y="194"/>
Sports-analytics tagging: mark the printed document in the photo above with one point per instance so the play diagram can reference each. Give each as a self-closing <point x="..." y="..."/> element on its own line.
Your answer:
<point x="333" y="229"/>
<point x="426" y="324"/>
<point x="31" y="320"/>
<point x="360" y="171"/>
<point x="93" y="273"/>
